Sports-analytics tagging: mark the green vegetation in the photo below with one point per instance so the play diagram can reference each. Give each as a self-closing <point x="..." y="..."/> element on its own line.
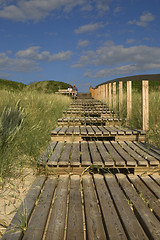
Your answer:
<point x="26" y="120"/>
<point x="153" y="135"/>
<point x="11" y="85"/>
<point x="47" y="86"/>
<point x="43" y="86"/>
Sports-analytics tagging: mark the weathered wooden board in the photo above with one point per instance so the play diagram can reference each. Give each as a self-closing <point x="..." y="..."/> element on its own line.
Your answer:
<point x="90" y="207"/>
<point x="108" y="154"/>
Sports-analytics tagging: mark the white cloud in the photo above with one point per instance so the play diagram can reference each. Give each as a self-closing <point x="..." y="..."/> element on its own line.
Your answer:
<point x="35" y="54"/>
<point x="23" y="10"/>
<point x="35" y="9"/>
<point x="91" y="27"/>
<point x="130" y="40"/>
<point x="62" y="55"/>
<point x="144" y="19"/>
<point x="83" y="43"/>
<point x="121" y="60"/>
<point x="28" y="60"/>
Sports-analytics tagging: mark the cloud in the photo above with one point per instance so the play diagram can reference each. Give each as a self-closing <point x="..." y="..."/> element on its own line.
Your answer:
<point x="23" y="10"/>
<point x="35" y="10"/>
<point x="28" y="60"/>
<point x="83" y="43"/>
<point x="118" y="59"/>
<point x="91" y="27"/>
<point x="144" y="19"/>
<point x="130" y="40"/>
<point x="35" y="54"/>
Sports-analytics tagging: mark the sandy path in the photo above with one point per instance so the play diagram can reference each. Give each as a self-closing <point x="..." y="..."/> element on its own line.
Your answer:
<point x="12" y="193"/>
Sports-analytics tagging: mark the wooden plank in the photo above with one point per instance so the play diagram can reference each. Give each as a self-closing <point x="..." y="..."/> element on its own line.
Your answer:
<point x="129" y="221"/>
<point x="130" y="161"/>
<point x="83" y="130"/>
<point x="107" y="160"/>
<point x="156" y="178"/>
<point x="97" y="131"/>
<point x="53" y="160"/>
<point x="69" y="130"/>
<point x="110" y="130"/>
<point x="152" y="185"/>
<point x="76" y="130"/>
<point x="85" y="156"/>
<point x="14" y="230"/>
<point x="149" y="222"/>
<point x="145" y="155"/>
<point x="94" y="224"/>
<point x="56" y="225"/>
<point x="46" y="154"/>
<point x="38" y="221"/>
<point x="155" y="155"/>
<point x="63" y="130"/>
<point x="146" y="194"/>
<point x="104" y="131"/>
<point x="75" y="156"/>
<point x="110" y="216"/>
<point x="90" y="131"/>
<point x="55" y="131"/>
<point x="153" y="148"/>
<point x="65" y="156"/>
<point x="119" y="161"/>
<point x="75" y="218"/>
<point x="140" y="161"/>
<point x="96" y="158"/>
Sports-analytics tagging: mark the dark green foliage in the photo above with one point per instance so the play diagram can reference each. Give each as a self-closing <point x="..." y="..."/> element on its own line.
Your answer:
<point x="47" y="86"/>
<point x="43" y="86"/>
<point x="11" y="85"/>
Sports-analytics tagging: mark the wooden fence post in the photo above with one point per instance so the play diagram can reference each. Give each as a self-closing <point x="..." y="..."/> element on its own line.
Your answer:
<point x="106" y="98"/>
<point x="129" y="99"/>
<point x="114" y="95"/>
<point x="145" y="105"/>
<point x="110" y="94"/>
<point x="120" y="95"/>
<point x="103" y="92"/>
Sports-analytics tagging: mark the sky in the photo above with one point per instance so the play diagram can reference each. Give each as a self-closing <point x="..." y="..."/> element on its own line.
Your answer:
<point x="82" y="42"/>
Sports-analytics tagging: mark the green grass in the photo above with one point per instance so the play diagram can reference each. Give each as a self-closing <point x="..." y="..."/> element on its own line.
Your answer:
<point x="26" y="121"/>
<point x="153" y="135"/>
<point x="42" y="86"/>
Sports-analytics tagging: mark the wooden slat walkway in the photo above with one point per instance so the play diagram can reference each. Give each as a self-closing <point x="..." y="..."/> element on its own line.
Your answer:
<point x="65" y="157"/>
<point x="66" y="133"/>
<point x="78" y="200"/>
<point x="100" y="121"/>
<point x="90" y="207"/>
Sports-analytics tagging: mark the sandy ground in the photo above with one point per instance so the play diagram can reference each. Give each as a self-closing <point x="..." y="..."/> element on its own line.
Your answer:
<point x="12" y="193"/>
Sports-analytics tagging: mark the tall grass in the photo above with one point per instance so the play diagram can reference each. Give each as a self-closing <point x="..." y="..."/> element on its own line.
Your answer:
<point x="153" y="135"/>
<point x="26" y="120"/>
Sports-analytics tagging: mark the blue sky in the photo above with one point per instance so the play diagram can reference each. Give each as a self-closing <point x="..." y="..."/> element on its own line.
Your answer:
<point x="82" y="42"/>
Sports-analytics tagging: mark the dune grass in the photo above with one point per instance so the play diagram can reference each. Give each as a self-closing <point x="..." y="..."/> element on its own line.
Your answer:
<point x="153" y="135"/>
<point x="26" y="120"/>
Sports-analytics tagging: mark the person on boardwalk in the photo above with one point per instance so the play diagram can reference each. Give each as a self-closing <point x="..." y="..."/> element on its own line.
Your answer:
<point x="75" y="91"/>
<point x="70" y="90"/>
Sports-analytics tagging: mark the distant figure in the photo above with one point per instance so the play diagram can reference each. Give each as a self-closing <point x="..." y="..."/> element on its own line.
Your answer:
<point x="70" y="90"/>
<point x="75" y="91"/>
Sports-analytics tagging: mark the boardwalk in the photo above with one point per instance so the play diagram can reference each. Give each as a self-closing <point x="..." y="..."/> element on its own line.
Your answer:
<point x="99" y="184"/>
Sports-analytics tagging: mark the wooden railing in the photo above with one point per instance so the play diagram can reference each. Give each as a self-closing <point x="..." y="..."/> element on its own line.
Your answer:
<point x="107" y="92"/>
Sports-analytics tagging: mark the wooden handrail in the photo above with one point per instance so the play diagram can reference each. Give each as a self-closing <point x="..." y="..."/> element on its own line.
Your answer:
<point x="107" y="93"/>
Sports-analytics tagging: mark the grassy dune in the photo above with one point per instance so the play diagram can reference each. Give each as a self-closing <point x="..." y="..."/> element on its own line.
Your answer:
<point x="25" y="123"/>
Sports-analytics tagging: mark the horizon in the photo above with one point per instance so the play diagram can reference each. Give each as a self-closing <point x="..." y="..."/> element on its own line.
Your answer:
<point x="78" y="42"/>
